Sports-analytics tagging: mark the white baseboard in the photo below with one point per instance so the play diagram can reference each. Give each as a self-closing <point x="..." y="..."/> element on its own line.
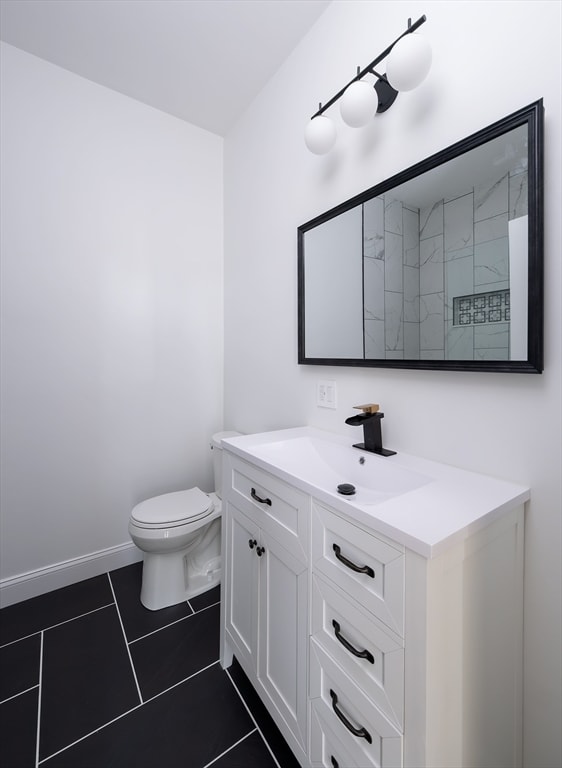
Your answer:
<point x="34" y="583"/>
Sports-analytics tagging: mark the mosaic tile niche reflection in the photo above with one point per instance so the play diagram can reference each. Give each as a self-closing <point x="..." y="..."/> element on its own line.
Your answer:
<point x="492" y="307"/>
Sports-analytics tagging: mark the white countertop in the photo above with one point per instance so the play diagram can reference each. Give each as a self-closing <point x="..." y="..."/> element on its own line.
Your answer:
<point x="450" y="506"/>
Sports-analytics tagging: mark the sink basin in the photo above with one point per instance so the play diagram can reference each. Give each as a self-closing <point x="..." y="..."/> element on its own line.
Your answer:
<point x="327" y="463"/>
<point x="416" y="502"/>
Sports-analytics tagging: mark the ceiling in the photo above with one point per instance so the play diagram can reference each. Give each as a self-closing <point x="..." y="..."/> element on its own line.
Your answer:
<point x="203" y="61"/>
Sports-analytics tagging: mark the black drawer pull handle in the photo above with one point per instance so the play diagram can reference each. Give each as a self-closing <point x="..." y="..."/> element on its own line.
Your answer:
<point x="357" y="568"/>
<point x="362" y="733"/>
<point x="255" y="496"/>
<point x="347" y="645"/>
<point x="334" y="762"/>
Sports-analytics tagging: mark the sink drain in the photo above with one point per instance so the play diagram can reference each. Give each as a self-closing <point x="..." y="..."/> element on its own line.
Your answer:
<point x="346" y="489"/>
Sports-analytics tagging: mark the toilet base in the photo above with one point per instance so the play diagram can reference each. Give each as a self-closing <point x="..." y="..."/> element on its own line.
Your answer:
<point x="169" y="580"/>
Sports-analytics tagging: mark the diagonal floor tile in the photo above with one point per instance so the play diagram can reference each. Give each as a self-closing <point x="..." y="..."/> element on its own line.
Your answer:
<point x="19" y="666"/>
<point x="138" y="620"/>
<point x="186" y="727"/>
<point x="205" y="599"/>
<point x="18" y="730"/>
<point x="250" y="753"/>
<point x="87" y="678"/>
<point x="176" y="652"/>
<point x="31" y="616"/>
<point x="270" y="731"/>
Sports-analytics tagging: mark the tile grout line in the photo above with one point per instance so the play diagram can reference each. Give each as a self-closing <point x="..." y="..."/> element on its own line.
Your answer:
<point x="19" y="693"/>
<point x="180" y="682"/>
<point x="125" y="639"/>
<point x="52" y="626"/>
<point x="87" y="735"/>
<point x="171" y="624"/>
<point x="236" y="743"/>
<point x="38" y="731"/>
<point x="252" y="718"/>
<point x="159" y="629"/>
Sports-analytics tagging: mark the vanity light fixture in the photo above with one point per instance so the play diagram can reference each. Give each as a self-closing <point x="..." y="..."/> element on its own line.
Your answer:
<point x="409" y="60"/>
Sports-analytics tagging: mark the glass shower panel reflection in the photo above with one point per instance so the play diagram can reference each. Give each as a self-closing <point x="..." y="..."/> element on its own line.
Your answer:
<point x="334" y="294"/>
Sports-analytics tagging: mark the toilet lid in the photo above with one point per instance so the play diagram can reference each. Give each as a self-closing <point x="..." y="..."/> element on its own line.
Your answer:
<point x="173" y="509"/>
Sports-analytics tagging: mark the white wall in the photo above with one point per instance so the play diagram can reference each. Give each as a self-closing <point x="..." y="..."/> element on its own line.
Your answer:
<point x="112" y="372"/>
<point x="490" y="59"/>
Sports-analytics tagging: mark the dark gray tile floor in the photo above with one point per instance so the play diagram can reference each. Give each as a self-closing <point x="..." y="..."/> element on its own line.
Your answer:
<point x="91" y="679"/>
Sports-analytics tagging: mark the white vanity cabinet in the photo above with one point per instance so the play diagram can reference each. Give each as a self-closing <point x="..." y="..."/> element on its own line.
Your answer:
<point x="438" y="678"/>
<point x="265" y="591"/>
<point x="374" y="650"/>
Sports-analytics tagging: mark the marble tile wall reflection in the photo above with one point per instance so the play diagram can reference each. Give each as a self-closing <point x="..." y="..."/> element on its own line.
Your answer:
<point x="416" y="261"/>
<point x="432" y="239"/>
<point x="391" y="279"/>
<point x="477" y="261"/>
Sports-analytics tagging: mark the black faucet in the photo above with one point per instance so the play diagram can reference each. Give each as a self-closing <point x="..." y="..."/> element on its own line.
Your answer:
<point x="370" y="418"/>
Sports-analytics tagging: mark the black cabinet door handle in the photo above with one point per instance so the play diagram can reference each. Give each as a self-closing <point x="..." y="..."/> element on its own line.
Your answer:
<point x="252" y="543"/>
<point x="255" y="496"/>
<point x="347" y="645"/>
<point x="361" y="733"/>
<point x="334" y="762"/>
<point x="366" y="569"/>
<point x="260" y="551"/>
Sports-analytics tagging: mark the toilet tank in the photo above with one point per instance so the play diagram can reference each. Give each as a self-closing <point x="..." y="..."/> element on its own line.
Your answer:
<point x="216" y="447"/>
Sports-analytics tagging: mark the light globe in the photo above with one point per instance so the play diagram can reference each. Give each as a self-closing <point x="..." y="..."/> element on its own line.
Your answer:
<point x="408" y="62"/>
<point x="359" y="104"/>
<point x="320" y="135"/>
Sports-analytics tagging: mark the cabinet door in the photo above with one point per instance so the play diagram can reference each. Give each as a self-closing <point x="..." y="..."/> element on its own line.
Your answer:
<point x="242" y="584"/>
<point x="282" y="666"/>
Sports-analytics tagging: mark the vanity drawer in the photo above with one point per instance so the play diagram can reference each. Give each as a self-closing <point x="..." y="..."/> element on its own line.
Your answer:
<point x="326" y="750"/>
<point x="361" y="729"/>
<point x="278" y="508"/>
<point x="371" y="655"/>
<point x="366" y="567"/>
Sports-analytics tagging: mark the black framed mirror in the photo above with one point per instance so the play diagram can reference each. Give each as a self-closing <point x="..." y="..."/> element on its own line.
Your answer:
<point x="439" y="267"/>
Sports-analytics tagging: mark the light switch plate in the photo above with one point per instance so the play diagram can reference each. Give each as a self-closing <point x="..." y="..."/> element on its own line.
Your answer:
<point x="326" y="394"/>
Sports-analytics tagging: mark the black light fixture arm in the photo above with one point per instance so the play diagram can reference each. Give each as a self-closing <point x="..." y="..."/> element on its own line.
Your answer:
<point x="369" y="69"/>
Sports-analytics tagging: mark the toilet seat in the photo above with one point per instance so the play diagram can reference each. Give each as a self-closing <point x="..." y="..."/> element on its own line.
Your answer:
<point x="172" y="509"/>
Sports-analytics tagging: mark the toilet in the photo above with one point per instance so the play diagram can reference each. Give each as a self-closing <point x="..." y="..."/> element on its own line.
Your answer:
<point x="180" y="536"/>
